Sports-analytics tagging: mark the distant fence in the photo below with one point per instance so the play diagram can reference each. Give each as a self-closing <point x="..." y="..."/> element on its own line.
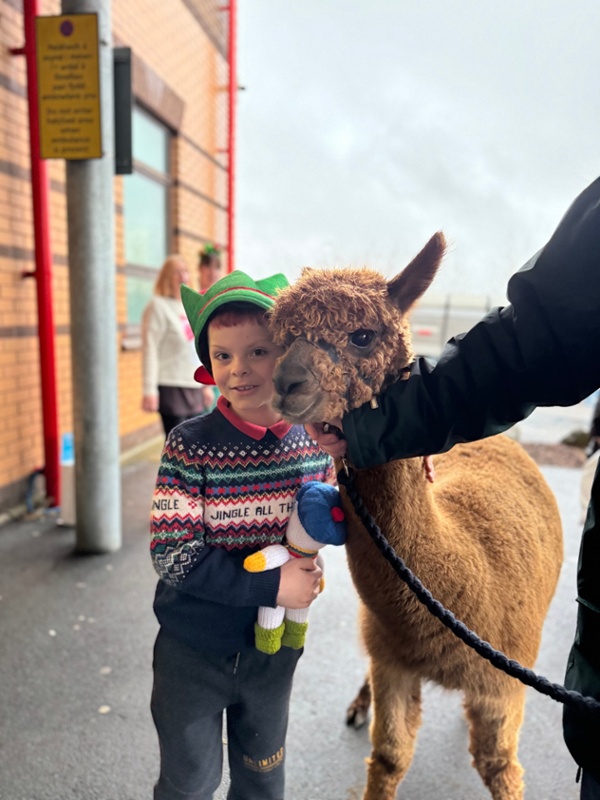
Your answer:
<point x="438" y="317"/>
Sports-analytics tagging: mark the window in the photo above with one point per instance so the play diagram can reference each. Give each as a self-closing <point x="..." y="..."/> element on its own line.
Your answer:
<point x="146" y="210"/>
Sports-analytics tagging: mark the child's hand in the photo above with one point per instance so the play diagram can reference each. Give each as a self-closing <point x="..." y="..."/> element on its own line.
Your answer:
<point x="324" y="434"/>
<point x="299" y="583"/>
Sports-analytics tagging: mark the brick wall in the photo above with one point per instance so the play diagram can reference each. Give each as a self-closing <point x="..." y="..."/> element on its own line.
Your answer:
<point x="180" y="73"/>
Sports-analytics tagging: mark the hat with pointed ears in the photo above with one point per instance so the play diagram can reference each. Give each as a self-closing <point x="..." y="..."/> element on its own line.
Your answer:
<point x="234" y="287"/>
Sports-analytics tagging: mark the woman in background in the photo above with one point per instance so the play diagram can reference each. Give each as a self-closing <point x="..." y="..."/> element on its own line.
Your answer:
<point x="168" y="355"/>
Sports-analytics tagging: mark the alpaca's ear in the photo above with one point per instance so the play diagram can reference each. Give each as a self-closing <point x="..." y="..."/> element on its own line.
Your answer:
<point x="406" y="288"/>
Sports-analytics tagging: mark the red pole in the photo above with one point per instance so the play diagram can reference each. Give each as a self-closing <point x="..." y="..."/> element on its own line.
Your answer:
<point x="232" y="96"/>
<point x="43" y="262"/>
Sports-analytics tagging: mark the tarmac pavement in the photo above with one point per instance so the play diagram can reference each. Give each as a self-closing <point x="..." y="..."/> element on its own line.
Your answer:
<point x="76" y="636"/>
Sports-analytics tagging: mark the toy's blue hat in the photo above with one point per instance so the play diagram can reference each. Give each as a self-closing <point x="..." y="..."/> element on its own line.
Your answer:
<point x="320" y="512"/>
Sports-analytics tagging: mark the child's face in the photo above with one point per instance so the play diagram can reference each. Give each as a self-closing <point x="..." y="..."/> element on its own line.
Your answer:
<point x="210" y="274"/>
<point x="243" y="359"/>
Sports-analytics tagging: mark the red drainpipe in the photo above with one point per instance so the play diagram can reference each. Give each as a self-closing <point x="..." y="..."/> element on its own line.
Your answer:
<point x="43" y="262"/>
<point x="232" y="100"/>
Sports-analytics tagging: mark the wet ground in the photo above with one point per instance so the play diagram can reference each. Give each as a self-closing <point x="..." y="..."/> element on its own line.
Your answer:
<point x="76" y="637"/>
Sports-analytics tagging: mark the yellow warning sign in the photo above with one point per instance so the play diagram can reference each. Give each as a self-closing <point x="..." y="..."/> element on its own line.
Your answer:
<point x="68" y="86"/>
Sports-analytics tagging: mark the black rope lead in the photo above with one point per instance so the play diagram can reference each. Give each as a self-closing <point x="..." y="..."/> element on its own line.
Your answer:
<point x="495" y="657"/>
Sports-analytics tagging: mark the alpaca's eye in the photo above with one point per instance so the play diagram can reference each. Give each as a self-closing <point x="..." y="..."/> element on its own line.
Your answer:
<point x="362" y="337"/>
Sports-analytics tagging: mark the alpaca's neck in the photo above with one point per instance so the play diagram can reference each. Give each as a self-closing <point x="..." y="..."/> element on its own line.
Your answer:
<point x="403" y="504"/>
<point x="400" y="487"/>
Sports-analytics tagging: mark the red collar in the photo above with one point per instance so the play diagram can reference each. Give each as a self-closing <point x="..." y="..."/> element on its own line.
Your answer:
<point x="255" y="431"/>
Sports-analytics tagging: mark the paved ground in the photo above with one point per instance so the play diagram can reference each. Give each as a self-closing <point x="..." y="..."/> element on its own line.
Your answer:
<point x="551" y="425"/>
<point x="76" y="636"/>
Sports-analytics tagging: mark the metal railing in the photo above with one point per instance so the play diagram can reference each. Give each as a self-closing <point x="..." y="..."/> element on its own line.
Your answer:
<point x="438" y="317"/>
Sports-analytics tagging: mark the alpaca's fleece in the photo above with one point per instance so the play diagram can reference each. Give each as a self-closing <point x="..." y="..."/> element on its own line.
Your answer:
<point x="342" y="302"/>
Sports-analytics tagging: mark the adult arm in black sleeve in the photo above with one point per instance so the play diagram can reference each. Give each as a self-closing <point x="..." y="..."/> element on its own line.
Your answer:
<point x="543" y="349"/>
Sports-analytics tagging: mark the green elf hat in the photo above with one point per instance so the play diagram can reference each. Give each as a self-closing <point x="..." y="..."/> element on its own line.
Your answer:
<point x="234" y="287"/>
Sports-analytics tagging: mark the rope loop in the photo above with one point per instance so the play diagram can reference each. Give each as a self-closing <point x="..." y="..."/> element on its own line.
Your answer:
<point x="484" y="649"/>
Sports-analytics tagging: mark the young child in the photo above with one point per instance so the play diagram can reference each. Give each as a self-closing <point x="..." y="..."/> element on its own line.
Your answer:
<point x="225" y="488"/>
<point x="210" y="267"/>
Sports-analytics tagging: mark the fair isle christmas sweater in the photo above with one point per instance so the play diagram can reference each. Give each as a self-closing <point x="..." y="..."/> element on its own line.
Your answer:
<point x="225" y="488"/>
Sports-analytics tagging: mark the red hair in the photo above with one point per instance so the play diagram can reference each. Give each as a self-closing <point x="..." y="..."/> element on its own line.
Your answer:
<point x="235" y="314"/>
<point x="228" y="316"/>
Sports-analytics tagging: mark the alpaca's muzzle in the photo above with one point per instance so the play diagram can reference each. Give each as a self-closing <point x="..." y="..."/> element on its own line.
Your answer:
<point x="298" y="393"/>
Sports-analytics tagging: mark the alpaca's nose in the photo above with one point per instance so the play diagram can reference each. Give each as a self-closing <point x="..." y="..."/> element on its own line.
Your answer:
<point x="289" y="379"/>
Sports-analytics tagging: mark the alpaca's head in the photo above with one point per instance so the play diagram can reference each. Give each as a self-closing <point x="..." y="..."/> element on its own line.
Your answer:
<point x="346" y="335"/>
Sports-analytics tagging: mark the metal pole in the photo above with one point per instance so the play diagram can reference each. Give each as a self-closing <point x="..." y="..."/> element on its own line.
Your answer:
<point x="231" y="133"/>
<point x="90" y="213"/>
<point x="43" y="263"/>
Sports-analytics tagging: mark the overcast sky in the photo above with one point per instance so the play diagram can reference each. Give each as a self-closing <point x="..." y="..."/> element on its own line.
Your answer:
<point x="367" y="125"/>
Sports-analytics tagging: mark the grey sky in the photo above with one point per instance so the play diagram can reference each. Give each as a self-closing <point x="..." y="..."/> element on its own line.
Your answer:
<point x="367" y="125"/>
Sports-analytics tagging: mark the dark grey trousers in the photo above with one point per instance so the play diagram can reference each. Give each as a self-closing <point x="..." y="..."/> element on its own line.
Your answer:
<point x="191" y="691"/>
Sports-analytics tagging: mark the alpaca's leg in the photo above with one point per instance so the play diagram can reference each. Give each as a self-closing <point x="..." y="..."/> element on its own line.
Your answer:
<point x="396" y="720"/>
<point x="358" y="710"/>
<point x="495" y="724"/>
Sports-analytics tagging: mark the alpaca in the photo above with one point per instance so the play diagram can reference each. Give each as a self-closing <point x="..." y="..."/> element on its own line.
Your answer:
<point x="485" y="538"/>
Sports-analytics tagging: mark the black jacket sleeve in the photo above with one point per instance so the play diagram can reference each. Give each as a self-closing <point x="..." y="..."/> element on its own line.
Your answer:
<point x="543" y="349"/>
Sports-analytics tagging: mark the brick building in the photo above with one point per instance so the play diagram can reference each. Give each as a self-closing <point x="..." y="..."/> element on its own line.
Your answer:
<point x="174" y="201"/>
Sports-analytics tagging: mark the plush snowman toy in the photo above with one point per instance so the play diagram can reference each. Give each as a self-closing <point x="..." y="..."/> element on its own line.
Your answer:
<point x="316" y="520"/>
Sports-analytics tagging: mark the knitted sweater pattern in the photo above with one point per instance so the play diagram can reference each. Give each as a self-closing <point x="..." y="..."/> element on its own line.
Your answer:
<point x="225" y="488"/>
